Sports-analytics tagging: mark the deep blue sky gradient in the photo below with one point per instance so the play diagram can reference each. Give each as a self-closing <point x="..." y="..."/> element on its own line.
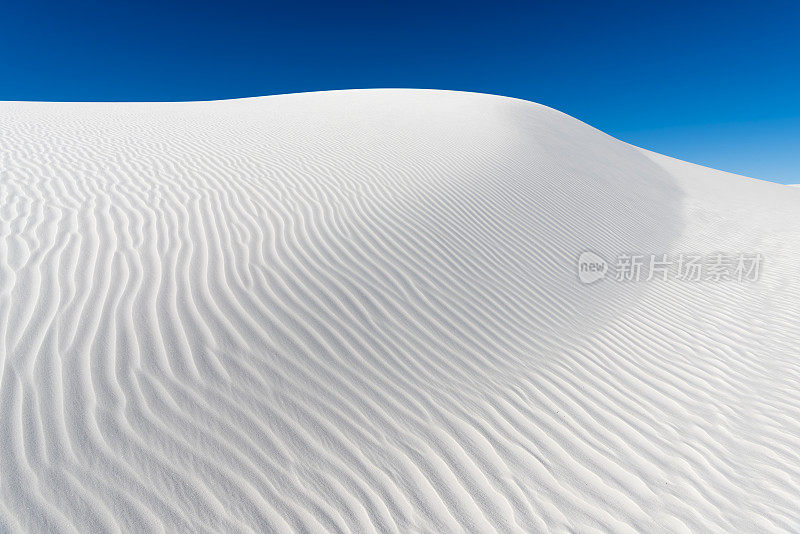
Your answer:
<point x="715" y="83"/>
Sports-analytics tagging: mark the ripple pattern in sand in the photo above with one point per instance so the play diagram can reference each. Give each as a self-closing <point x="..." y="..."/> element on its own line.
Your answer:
<point x="357" y="312"/>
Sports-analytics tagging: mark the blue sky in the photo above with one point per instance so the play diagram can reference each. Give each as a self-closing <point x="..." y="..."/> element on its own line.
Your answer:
<point x="715" y="83"/>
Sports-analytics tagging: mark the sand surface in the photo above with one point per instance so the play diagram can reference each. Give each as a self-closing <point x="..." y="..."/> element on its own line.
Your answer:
<point x="360" y="311"/>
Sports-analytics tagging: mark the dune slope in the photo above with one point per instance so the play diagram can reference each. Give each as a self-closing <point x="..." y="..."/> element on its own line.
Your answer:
<point x="359" y="311"/>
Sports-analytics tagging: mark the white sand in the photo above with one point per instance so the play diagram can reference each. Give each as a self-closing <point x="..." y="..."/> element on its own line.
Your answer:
<point x="358" y="311"/>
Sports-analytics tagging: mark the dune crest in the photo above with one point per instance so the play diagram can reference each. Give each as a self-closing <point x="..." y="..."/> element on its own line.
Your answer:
<point x="359" y="311"/>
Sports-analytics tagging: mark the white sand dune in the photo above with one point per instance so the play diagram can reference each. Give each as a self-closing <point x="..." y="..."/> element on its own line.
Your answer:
<point x="359" y="311"/>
